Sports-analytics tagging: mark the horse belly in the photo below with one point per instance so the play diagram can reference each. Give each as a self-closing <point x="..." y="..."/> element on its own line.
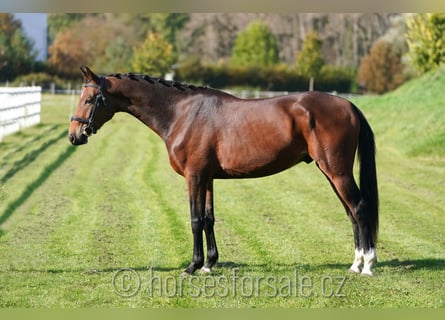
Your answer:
<point x="252" y="160"/>
<point x="262" y="140"/>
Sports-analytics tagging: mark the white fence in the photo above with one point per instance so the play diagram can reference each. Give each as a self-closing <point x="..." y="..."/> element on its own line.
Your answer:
<point x="19" y="108"/>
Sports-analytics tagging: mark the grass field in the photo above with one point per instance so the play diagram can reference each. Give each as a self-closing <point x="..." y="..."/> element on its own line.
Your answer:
<point x="107" y="224"/>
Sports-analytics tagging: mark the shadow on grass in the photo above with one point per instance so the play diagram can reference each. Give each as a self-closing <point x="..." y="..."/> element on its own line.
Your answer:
<point x="415" y="264"/>
<point x="244" y="268"/>
<point x="401" y="265"/>
<point x="219" y="269"/>
<point x="32" y="155"/>
<point x="29" y="190"/>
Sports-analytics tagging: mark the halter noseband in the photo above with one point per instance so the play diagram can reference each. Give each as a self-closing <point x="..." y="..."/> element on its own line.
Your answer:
<point x="100" y="98"/>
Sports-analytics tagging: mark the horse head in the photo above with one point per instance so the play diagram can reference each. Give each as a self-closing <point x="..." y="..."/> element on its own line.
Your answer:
<point x="92" y="109"/>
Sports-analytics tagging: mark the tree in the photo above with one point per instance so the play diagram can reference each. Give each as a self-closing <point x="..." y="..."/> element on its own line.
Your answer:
<point x="154" y="56"/>
<point x="60" y="22"/>
<point x="310" y="59"/>
<point x="256" y="46"/>
<point x="381" y="70"/>
<point x="426" y="40"/>
<point x="67" y="53"/>
<point x="106" y="51"/>
<point x="17" y="54"/>
<point x="169" y="24"/>
<point x="118" y="56"/>
<point x="209" y="36"/>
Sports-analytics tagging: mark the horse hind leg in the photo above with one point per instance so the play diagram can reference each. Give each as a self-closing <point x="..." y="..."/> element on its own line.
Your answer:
<point x="358" y="257"/>
<point x="349" y="194"/>
<point x="364" y="247"/>
<point x="366" y="241"/>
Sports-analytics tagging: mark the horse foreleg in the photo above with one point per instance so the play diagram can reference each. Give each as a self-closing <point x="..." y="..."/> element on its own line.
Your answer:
<point x="197" y="192"/>
<point x="209" y="221"/>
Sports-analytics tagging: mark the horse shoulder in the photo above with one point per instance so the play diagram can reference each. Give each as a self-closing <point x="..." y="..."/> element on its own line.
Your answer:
<point x="192" y="136"/>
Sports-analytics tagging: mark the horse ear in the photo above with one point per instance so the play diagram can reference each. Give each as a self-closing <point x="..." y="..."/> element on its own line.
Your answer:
<point x="89" y="75"/>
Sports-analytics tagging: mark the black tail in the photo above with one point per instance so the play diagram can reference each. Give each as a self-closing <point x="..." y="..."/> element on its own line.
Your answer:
<point x="368" y="172"/>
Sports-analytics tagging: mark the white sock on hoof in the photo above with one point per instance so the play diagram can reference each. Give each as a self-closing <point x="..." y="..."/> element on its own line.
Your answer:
<point x="206" y="270"/>
<point x="370" y="258"/>
<point x="358" y="259"/>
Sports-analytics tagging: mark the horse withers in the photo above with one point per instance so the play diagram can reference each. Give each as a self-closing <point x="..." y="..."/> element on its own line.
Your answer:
<point x="210" y="134"/>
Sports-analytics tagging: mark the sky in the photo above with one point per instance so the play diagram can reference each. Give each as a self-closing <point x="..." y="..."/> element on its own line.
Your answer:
<point x="35" y="28"/>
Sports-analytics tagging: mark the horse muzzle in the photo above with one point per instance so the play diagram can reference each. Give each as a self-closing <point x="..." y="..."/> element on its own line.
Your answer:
<point x="78" y="140"/>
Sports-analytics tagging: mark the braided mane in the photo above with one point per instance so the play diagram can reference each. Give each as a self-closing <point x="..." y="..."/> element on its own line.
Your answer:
<point x="153" y="80"/>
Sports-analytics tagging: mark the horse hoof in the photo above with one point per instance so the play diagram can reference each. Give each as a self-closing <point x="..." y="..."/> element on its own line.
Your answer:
<point x="185" y="274"/>
<point x="354" y="270"/>
<point x="205" y="270"/>
<point x="367" y="273"/>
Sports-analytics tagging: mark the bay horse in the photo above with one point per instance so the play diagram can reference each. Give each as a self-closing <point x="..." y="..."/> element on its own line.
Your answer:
<point x="210" y="134"/>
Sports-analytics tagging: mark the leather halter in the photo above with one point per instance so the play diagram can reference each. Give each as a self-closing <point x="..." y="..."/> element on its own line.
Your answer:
<point x="100" y="99"/>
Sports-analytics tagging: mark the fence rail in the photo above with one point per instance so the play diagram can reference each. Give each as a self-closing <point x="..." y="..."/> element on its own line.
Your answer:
<point x="19" y="109"/>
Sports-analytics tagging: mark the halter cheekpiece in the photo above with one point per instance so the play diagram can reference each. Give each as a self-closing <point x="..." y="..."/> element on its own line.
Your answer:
<point x="100" y="99"/>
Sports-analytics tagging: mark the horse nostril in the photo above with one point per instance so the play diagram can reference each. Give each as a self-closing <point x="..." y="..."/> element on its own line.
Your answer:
<point x="72" y="138"/>
<point x="77" y="141"/>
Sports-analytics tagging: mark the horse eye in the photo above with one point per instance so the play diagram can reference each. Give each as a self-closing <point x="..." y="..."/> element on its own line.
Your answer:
<point x="89" y="101"/>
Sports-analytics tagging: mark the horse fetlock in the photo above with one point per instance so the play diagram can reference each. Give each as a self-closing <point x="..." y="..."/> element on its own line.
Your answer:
<point x="358" y="260"/>
<point x="205" y="270"/>
<point x="192" y="268"/>
<point x="370" y="258"/>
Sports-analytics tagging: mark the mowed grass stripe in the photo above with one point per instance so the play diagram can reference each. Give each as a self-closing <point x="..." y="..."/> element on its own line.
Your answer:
<point x="135" y="156"/>
<point x="85" y="185"/>
<point x="162" y="223"/>
<point x="24" y="221"/>
<point x="109" y="222"/>
<point x="67" y="245"/>
<point x="135" y="173"/>
<point x="169" y="203"/>
<point x="81" y="248"/>
<point x="287" y="226"/>
<point x="24" y="168"/>
<point x="424" y="179"/>
<point x="410" y="209"/>
<point x="17" y="156"/>
<point x="89" y="246"/>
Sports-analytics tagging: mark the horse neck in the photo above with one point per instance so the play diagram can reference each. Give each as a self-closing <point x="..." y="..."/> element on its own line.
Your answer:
<point x="151" y="103"/>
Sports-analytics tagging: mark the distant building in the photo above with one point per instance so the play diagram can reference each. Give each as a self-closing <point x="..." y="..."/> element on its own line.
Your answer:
<point x="35" y="27"/>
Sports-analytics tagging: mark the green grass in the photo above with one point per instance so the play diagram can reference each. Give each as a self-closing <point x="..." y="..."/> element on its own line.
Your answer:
<point x="72" y="218"/>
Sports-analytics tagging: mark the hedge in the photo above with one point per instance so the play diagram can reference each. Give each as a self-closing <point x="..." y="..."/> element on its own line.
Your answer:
<point x="278" y="78"/>
<point x="42" y="79"/>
